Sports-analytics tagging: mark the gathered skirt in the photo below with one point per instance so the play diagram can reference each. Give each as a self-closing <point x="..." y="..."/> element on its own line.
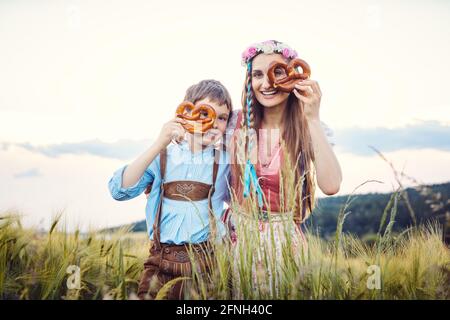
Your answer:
<point x="264" y="252"/>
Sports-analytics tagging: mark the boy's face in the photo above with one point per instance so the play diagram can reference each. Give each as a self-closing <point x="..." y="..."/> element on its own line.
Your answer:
<point x="220" y="124"/>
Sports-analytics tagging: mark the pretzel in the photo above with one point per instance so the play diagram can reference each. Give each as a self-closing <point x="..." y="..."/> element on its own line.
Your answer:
<point x="287" y="84"/>
<point x="195" y="123"/>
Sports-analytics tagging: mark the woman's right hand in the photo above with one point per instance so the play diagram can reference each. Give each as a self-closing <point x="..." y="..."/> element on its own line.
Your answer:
<point x="172" y="130"/>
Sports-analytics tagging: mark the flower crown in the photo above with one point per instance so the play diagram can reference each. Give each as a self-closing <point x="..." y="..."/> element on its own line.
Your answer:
<point x="268" y="47"/>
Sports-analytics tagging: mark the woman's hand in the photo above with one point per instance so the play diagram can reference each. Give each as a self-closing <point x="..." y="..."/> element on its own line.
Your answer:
<point x="172" y="130"/>
<point x="309" y="95"/>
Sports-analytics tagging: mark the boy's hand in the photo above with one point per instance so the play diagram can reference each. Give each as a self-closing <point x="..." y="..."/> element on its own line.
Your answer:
<point x="172" y="130"/>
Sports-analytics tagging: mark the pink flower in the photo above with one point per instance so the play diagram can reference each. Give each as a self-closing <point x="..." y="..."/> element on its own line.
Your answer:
<point x="250" y="53"/>
<point x="286" y="53"/>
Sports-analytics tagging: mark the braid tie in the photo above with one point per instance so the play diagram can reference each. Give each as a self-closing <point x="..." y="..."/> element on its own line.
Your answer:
<point x="250" y="177"/>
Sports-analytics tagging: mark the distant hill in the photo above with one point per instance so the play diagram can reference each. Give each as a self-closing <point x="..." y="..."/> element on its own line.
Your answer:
<point x="366" y="210"/>
<point x="431" y="202"/>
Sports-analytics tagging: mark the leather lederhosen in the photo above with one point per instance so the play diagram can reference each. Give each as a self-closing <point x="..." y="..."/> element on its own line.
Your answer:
<point x="169" y="261"/>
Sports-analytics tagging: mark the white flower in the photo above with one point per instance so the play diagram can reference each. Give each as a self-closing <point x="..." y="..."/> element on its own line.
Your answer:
<point x="280" y="46"/>
<point x="258" y="46"/>
<point x="267" y="49"/>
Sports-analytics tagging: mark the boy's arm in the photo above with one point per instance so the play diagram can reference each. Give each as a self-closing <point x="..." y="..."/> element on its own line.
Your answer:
<point x="130" y="181"/>
<point x="120" y="193"/>
<point x="135" y="170"/>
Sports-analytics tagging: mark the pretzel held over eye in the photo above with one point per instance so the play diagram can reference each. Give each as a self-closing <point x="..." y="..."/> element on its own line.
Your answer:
<point x="198" y="119"/>
<point x="287" y="84"/>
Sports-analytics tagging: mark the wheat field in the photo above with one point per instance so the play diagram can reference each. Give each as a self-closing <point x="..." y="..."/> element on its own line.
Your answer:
<point x="412" y="265"/>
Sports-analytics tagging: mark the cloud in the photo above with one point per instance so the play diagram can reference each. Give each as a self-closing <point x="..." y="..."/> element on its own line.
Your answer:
<point x="426" y="134"/>
<point x="4" y="146"/>
<point x="31" y="173"/>
<point x="122" y="149"/>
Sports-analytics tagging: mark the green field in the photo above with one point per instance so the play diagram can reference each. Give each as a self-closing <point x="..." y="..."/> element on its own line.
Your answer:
<point x="413" y="265"/>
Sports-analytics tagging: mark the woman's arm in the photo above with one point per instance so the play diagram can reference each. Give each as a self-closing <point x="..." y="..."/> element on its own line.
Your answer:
<point x="328" y="170"/>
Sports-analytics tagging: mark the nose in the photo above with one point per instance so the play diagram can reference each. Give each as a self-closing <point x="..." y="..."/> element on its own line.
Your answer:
<point x="216" y="124"/>
<point x="266" y="83"/>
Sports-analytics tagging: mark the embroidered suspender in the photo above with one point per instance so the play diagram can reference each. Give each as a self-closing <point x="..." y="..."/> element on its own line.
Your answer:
<point x="156" y="223"/>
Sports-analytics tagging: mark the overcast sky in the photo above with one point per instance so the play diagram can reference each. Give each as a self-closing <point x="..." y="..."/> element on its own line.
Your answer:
<point x="86" y="86"/>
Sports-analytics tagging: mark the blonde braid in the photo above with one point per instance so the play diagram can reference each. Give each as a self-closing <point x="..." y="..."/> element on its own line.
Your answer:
<point x="250" y="144"/>
<point x="251" y="141"/>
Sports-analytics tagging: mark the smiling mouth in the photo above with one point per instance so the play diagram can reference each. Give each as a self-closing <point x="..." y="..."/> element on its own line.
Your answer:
<point x="269" y="92"/>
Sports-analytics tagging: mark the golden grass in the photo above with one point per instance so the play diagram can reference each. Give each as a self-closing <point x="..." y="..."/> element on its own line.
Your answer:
<point x="415" y="265"/>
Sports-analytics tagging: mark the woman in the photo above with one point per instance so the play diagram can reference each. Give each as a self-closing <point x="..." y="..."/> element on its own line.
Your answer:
<point x="270" y="119"/>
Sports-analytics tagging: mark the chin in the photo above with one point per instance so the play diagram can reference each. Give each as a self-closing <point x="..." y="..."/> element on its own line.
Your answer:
<point x="206" y="143"/>
<point x="268" y="103"/>
<point x="210" y="142"/>
<point x="271" y="104"/>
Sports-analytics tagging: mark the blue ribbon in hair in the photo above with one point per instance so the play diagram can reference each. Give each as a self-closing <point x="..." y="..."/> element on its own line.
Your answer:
<point x="250" y="177"/>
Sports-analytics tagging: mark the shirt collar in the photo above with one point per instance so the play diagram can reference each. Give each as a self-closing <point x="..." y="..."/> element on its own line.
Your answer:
<point x="184" y="146"/>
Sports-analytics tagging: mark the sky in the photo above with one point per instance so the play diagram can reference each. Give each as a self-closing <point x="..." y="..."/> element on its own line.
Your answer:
<point x="87" y="85"/>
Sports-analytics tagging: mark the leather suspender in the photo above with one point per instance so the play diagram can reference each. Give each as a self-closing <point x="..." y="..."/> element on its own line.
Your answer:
<point x="212" y="219"/>
<point x="156" y="223"/>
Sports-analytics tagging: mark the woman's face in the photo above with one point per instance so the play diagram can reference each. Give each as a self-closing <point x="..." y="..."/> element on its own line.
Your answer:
<point x="266" y="95"/>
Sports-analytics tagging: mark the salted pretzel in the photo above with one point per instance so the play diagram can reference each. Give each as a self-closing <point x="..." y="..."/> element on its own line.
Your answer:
<point x="198" y="119"/>
<point x="287" y="84"/>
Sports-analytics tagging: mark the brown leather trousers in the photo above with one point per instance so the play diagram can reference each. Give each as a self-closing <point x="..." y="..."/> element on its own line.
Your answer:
<point x="171" y="262"/>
